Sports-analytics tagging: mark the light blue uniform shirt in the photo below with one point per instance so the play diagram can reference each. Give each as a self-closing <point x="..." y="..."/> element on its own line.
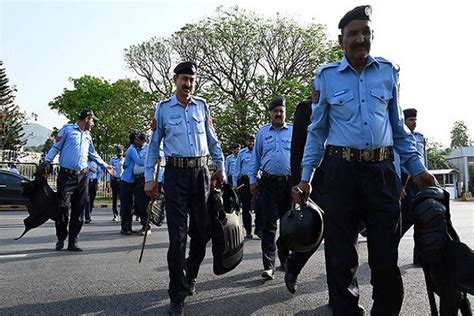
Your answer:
<point x="230" y="164"/>
<point x="185" y="132"/>
<point x="358" y="110"/>
<point x="137" y="168"/>
<point x="420" y="146"/>
<point x="118" y="166"/>
<point x="242" y="165"/>
<point x="271" y="152"/>
<point x="75" y="148"/>
<point x="131" y="158"/>
<point x="98" y="171"/>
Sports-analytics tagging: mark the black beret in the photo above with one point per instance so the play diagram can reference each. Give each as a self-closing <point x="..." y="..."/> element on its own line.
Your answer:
<point x="141" y="136"/>
<point x="278" y="101"/>
<point x="87" y="113"/>
<point x="186" y="67"/>
<point x="362" y="12"/>
<point x="409" y="113"/>
<point x="235" y="145"/>
<point x="249" y="136"/>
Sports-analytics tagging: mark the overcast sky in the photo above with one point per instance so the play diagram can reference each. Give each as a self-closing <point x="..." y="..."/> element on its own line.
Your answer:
<point x="44" y="43"/>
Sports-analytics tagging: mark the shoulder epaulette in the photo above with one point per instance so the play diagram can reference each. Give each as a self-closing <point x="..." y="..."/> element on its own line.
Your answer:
<point x="327" y="66"/>
<point x="66" y="126"/>
<point x="386" y="61"/>
<point x="163" y="102"/>
<point x="199" y="98"/>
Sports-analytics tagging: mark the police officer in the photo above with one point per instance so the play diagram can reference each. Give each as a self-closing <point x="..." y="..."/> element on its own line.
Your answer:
<point x="271" y="155"/>
<point x="241" y="183"/>
<point x="230" y="162"/>
<point x="184" y="125"/>
<point x="113" y="182"/>
<point x="75" y="148"/>
<point x="141" y="199"/>
<point x="409" y="188"/>
<point x="94" y="175"/>
<point x="127" y="183"/>
<point x="356" y="121"/>
<point x="302" y="118"/>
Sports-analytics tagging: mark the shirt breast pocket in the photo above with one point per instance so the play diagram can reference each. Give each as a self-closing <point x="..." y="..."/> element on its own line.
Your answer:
<point x="200" y="124"/>
<point x="268" y="145"/>
<point x="380" y="98"/>
<point x="341" y="105"/>
<point x="175" y="126"/>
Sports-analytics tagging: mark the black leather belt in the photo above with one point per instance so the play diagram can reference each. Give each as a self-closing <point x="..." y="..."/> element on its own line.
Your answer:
<point x="140" y="175"/>
<point x="266" y="175"/>
<point x="73" y="172"/>
<point x="186" y="162"/>
<point x="359" y="155"/>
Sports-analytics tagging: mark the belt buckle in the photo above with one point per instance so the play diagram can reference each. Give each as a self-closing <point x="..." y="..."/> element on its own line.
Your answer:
<point x="367" y="155"/>
<point x="191" y="163"/>
<point x="346" y="154"/>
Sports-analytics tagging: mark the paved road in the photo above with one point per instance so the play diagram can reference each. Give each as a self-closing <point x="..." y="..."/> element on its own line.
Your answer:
<point x="106" y="279"/>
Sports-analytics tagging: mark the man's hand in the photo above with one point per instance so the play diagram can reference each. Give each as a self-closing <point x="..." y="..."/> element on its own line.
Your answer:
<point x="218" y="178"/>
<point x="301" y="192"/>
<point x="253" y="189"/>
<point x="424" y="180"/>
<point x="151" y="189"/>
<point x="111" y="170"/>
<point x="107" y="186"/>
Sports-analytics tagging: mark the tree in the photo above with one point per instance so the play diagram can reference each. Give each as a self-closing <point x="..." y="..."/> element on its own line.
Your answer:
<point x="460" y="135"/>
<point x="244" y="61"/>
<point x="11" y="118"/>
<point x="121" y="107"/>
<point x="437" y="155"/>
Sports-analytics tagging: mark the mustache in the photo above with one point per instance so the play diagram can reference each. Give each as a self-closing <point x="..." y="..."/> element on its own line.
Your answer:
<point x="363" y="45"/>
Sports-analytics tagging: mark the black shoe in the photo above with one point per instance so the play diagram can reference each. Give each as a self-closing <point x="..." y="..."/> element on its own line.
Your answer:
<point x="87" y="221"/>
<point x="59" y="245"/>
<point x="176" y="308"/>
<point x="258" y="234"/>
<point x="248" y="236"/>
<point x="192" y="287"/>
<point x="126" y="232"/>
<point x="73" y="247"/>
<point x="291" y="281"/>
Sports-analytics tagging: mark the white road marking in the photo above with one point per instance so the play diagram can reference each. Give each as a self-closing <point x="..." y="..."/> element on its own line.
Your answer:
<point x="21" y="255"/>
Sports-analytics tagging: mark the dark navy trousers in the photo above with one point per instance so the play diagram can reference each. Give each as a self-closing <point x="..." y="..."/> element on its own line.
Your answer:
<point x="187" y="191"/>
<point x="126" y="204"/>
<point x="72" y="195"/>
<point x="369" y="191"/>
<point x="246" y="200"/>
<point x="275" y="197"/>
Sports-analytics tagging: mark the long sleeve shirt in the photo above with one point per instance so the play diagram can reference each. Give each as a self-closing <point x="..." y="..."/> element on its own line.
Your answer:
<point x="186" y="131"/>
<point x="271" y="152"/>
<point x="75" y="148"/>
<point x="358" y="110"/>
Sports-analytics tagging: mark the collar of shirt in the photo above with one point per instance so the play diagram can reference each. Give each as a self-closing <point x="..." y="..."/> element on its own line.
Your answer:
<point x="345" y="63"/>
<point x="174" y="101"/>
<point x="283" y="126"/>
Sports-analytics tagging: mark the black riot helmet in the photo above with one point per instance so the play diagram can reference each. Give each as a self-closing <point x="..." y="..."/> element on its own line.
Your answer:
<point x="301" y="229"/>
<point x="223" y="200"/>
<point x="431" y="215"/>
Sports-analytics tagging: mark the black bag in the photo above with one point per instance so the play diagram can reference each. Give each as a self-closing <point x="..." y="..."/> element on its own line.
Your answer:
<point x="43" y="203"/>
<point x="157" y="215"/>
<point x="226" y="232"/>
<point x="447" y="262"/>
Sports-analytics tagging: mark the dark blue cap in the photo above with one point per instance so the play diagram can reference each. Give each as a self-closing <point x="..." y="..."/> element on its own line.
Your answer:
<point x="409" y="113"/>
<point x="186" y="67"/>
<point x="87" y="113"/>
<point x="362" y="12"/>
<point x="278" y="101"/>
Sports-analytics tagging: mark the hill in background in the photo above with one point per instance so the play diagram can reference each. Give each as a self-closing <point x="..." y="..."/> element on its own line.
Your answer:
<point x="35" y="134"/>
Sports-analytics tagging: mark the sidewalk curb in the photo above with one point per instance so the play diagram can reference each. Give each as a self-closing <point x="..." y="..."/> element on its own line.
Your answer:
<point x="24" y="208"/>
